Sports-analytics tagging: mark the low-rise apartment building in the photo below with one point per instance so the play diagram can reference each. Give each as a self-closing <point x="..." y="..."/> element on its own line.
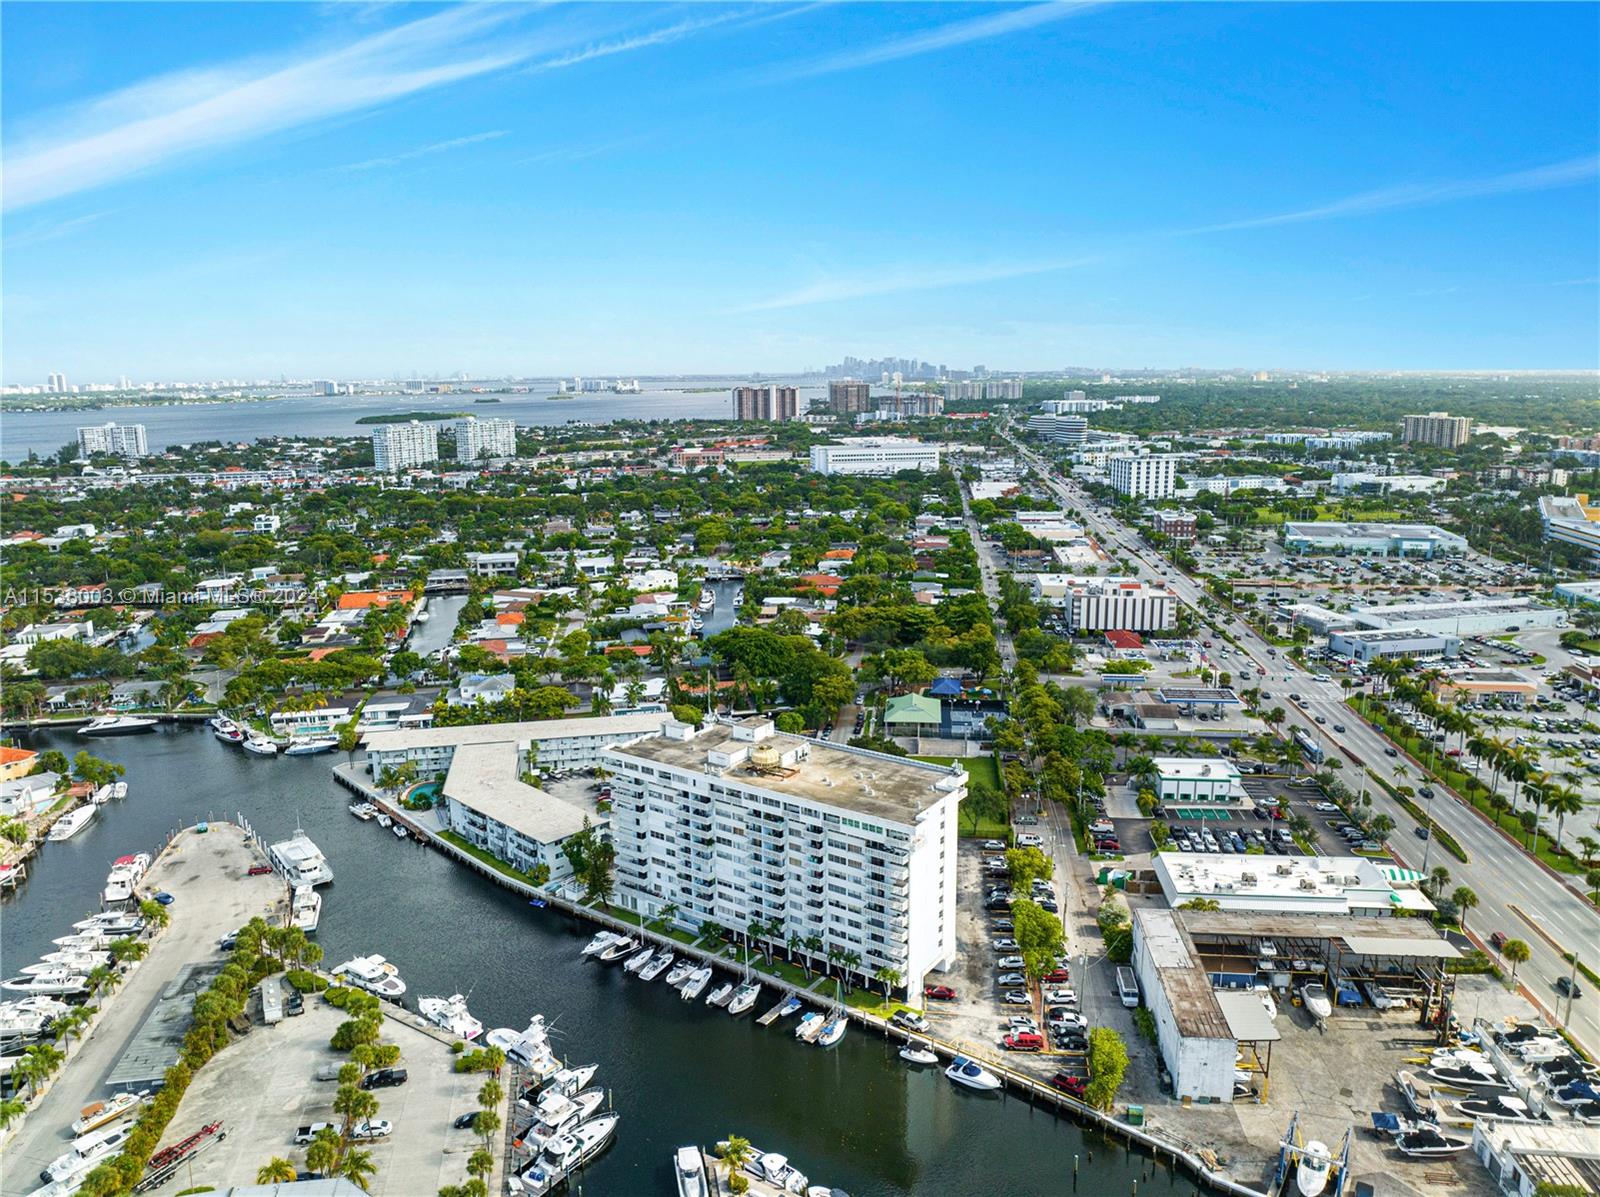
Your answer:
<point x="558" y="745"/>
<point x="739" y="824"/>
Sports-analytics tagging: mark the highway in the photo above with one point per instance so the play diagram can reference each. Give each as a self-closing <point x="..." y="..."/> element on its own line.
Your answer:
<point x="1499" y="873"/>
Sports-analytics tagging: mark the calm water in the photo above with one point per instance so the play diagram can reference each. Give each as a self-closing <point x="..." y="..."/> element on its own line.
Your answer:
<point x="46" y="432"/>
<point x="852" y="1116"/>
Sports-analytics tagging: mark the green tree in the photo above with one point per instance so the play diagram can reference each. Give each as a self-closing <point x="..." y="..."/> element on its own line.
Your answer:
<point x="1108" y="1064"/>
<point x="277" y="1170"/>
<point x="1516" y="952"/>
<point x="1465" y="900"/>
<point x="358" y="1168"/>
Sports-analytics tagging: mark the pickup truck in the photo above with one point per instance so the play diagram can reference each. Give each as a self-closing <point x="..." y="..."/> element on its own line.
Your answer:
<point x="379" y="1128"/>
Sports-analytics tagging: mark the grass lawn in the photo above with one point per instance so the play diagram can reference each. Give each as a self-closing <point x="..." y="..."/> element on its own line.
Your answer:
<point x="979" y="768"/>
<point x="479" y="854"/>
<point x="871" y="1001"/>
<point x="783" y="970"/>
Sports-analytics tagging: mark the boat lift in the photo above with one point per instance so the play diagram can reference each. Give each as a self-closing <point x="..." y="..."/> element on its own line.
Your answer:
<point x="1289" y="1150"/>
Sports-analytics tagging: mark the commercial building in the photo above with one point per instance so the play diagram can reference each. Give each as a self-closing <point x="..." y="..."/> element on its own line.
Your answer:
<point x="1191" y="780"/>
<point x="1373" y="644"/>
<point x="1373" y="540"/>
<point x="1290" y="884"/>
<point x="850" y="398"/>
<point x="123" y="440"/>
<point x="1571" y="520"/>
<point x="739" y="824"/>
<point x="405" y="446"/>
<point x="1586" y="593"/>
<point x="1528" y="1158"/>
<point x="1152" y="477"/>
<point x="1068" y="430"/>
<point x="1506" y="686"/>
<point x="1437" y="428"/>
<point x="874" y="455"/>
<point x="1363" y="483"/>
<point x="1106" y="604"/>
<point x="1177" y="526"/>
<point x="1469" y="618"/>
<point x="549" y="745"/>
<point x="477" y="439"/>
<point x="766" y="403"/>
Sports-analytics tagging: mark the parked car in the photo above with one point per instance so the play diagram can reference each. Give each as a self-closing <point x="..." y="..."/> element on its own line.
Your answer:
<point x="1058" y="975"/>
<point x="1060" y="995"/>
<point x="1072" y="1086"/>
<point x="384" y="1078"/>
<point x="994" y="845"/>
<point x="910" y="1020"/>
<point x="939" y="993"/>
<point x="377" y="1128"/>
<point x="1011" y="979"/>
<point x="309" y="1132"/>
<point x="466" y="1121"/>
<point x="1014" y="997"/>
<point x="1009" y="962"/>
<point x="1005" y="944"/>
<point x="1023" y="1041"/>
<point x="259" y="870"/>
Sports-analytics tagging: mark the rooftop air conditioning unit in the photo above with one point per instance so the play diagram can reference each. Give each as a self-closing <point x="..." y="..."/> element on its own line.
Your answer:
<point x="1284" y="870"/>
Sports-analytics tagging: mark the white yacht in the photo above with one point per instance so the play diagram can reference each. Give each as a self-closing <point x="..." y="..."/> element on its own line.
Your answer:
<point x="562" y="1116"/>
<point x="689" y="1169"/>
<point x="568" y="1153"/>
<point x="708" y="599"/>
<point x="639" y="959"/>
<point x="311" y="745"/>
<point x="1311" y="1173"/>
<point x="775" y="1168"/>
<point x="601" y="941"/>
<point x="71" y="823"/>
<point x="522" y="1047"/>
<point x="363" y="810"/>
<point x="679" y="973"/>
<point x="19" y="1026"/>
<point x="374" y="974"/>
<point x="118" y="725"/>
<point x="915" y="1053"/>
<point x="52" y="982"/>
<point x="66" y="962"/>
<point x="693" y="987"/>
<point x="260" y="745"/>
<point x="972" y="1074"/>
<point x="300" y="861"/>
<point x="452" y="1015"/>
<point x="80" y="1157"/>
<point x="563" y="1084"/>
<point x="124" y="875"/>
<point x="226" y="730"/>
<point x="306" y="912"/>
<point x="662" y="961"/>
<point x="103" y="794"/>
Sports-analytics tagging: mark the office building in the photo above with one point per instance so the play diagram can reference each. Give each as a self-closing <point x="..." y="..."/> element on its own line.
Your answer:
<point x="1189" y="781"/>
<point x="739" y="824"/>
<point x="1068" y="430"/>
<point x="1107" y="604"/>
<point x="405" y="446"/>
<point x="1152" y="477"/>
<point x="1373" y="540"/>
<point x="849" y="398"/>
<point x="477" y="439"/>
<point x="1437" y="428"/>
<point x="1571" y="520"/>
<point x="874" y="455"/>
<point x="123" y="440"/>
<point x="1375" y="644"/>
<point x="1472" y="617"/>
<point x="1177" y="526"/>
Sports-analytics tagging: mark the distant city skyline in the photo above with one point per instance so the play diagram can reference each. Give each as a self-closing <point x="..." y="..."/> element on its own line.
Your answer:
<point x="356" y="191"/>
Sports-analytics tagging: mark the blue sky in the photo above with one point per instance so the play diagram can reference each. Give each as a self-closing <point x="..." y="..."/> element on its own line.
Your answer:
<point x="361" y="189"/>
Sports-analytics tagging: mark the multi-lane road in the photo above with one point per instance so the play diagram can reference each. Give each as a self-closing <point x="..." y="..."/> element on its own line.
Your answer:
<point x="1515" y="894"/>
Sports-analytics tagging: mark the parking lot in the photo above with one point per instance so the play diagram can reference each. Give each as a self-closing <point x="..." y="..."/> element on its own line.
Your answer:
<point x="263" y="1088"/>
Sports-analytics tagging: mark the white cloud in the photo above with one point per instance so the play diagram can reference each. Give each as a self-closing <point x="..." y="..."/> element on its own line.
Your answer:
<point x="187" y="112"/>
<point x="1416" y="195"/>
<point x="51" y="232"/>
<point x="928" y="41"/>
<point x="639" y="41"/>
<point x="437" y="147"/>
<point x="888" y="282"/>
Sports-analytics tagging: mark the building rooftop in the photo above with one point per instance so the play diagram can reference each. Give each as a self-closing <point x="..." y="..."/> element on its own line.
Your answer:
<point x="1184" y="767"/>
<point x="1385" y="635"/>
<point x="1182" y="694"/>
<point x="753" y="755"/>
<point x="1396" y="937"/>
<point x="515" y="733"/>
<point x="1401" y="613"/>
<point x="1291" y="882"/>
<point x="1194" y="1003"/>
<point x="486" y="778"/>
<point x="1324" y="529"/>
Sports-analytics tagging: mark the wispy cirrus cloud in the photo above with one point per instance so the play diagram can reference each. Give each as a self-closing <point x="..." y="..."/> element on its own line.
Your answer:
<point x="834" y="289"/>
<point x="664" y="35"/>
<point x="1417" y="195"/>
<point x="53" y="231"/>
<point x="184" y="113"/>
<point x="424" y="151"/>
<point x="929" y="41"/>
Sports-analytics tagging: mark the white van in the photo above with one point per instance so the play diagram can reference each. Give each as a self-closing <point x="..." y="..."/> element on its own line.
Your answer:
<point x="1127" y="987"/>
<point x="1029" y="840"/>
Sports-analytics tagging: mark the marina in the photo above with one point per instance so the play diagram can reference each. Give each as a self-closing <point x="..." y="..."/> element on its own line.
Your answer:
<point x="391" y="899"/>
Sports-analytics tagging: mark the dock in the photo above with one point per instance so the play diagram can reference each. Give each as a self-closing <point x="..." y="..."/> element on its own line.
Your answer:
<point x="772" y="1015"/>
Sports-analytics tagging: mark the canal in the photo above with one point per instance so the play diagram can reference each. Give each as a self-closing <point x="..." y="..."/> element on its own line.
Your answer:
<point x="852" y="1116"/>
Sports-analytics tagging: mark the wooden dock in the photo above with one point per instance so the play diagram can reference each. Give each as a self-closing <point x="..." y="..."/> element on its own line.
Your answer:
<point x="772" y="1015"/>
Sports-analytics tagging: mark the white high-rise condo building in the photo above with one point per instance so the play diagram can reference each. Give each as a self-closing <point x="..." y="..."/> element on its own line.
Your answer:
<point x="477" y="438"/>
<point x="874" y="455"/>
<point x="1153" y="477"/>
<point x="57" y="384"/>
<point x="124" y="440"/>
<point x="741" y="825"/>
<point x="1436" y="428"/>
<point x="1068" y="429"/>
<point x="402" y="446"/>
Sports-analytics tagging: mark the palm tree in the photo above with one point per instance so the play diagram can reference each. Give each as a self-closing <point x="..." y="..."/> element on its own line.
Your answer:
<point x="1563" y="801"/>
<point x="797" y="943"/>
<point x="154" y="913"/>
<point x="1438" y="879"/>
<point x="70" y="1023"/>
<point x="735" y="1153"/>
<point x="1516" y="952"/>
<point x="889" y="978"/>
<point x="1590" y="846"/>
<point x="358" y="1168"/>
<point x="101" y="978"/>
<point x="322" y="1157"/>
<point x="10" y="1110"/>
<point x="1465" y="900"/>
<point x="277" y="1170"/>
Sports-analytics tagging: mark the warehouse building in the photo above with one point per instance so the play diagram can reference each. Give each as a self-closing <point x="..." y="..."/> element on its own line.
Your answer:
<point x="1472" y="617"/>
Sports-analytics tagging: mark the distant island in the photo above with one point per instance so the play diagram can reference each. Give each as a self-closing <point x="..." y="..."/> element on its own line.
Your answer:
<point x="489" y="399"/>
<point x="401" y="417"/>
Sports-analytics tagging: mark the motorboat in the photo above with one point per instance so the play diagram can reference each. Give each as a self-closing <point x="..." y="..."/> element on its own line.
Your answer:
<point x="639" y="959"/>
<point x="1501" y="1107"/>
<point x="225" y="729"/>
<point x="563" y="1085"/>
<point x="679" y="972"/>
<point x="689" y="1170"/>
<point x="918" y="1053"/>
<point x="790" y="1007"/>
<point x="567" y="1153"/>
<point x="53" y="982"/>
<point x="80" y="1157"/>
<point x="112" y="923"/>
<point x="522" y="1047"/>
<point x="775" y="1169"/>
<point x="1267" y="1004"/>
<point x="562" y="1117"/>
<point x="259" y="745"/>
<point x="1540" y="1049"/>
<point x="618" y="949"/>
<point x="1312" y="1168"/>
<point x="1418" y="1095"/>
<point x="384" y="820"/>
<point x="71" y="962"/>
<point x="363" y="810"/>
<point x="103" y="794"/>
<point x="119" y="886"/>
<point x="964" y="1071"/>
<point x="833" y="1031"/>
<point x="809" y="1026"/>
<point x="1428" y="1141"/>
<point x="306" y="910"/>
<point x="373" y="974"/>
<point x="104" y="1113"/>
<point x="600" y="941"/>
<point x="22" y="1026"/>
<point x="451" y="1014"/>
<point x="74" y="821"/>
<point x="708" y="599"/>
<point x="1393" y="1125"/>
<point x="84" y="940"/>
<point x="299" y="861"/>
<point x="311" y="745"/>
<point x="1576" y="1094"/>
<point x="1315" y="997"/>
<point x="695" y="985"/>
<point x="720" y="995"/>
<point x="658" y="965"/>
<point x="118" y="725"/>
<point x="1466" y="1075"/>
<point x="744" y="998"/>
<point x="400" y="832"/>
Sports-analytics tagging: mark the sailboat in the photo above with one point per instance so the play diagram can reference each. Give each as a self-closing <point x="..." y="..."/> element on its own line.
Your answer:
<point x="745" y="998"/>
<point x="833" y="1030"/>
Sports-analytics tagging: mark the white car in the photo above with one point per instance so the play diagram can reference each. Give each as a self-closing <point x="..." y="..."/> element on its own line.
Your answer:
<point x="378" y="1128"/>
<point x="1060" y="996"/>
<point x="1069" y="1022"/>
<point x="994" y="845"/>
<point x="1009" y="962"/>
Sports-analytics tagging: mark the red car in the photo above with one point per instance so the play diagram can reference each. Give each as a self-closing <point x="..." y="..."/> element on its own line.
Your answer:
<point x="1498" y="940"/>
<point x="1058" y="975"/>
<point x="258" y="870"/>
<point x="1072" y="1086"/>
<point x="1023" y="1041"/>
<point x="939" y="993"/>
